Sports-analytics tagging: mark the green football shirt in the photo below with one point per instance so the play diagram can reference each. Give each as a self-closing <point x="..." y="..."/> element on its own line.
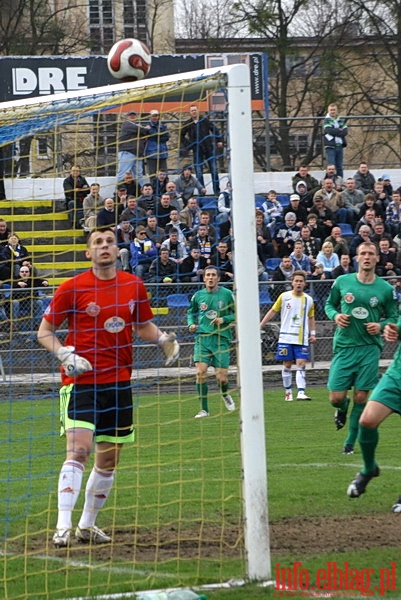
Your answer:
<point x="206" y="306"/>
<point x="366" y="303"/>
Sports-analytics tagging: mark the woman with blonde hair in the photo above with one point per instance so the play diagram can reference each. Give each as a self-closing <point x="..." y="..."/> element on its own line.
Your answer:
<point x="328" y="258"/>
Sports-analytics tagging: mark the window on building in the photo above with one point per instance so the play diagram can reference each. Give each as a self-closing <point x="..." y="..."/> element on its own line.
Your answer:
<point x="102" y="23"/>
<point x="42" y="148"/>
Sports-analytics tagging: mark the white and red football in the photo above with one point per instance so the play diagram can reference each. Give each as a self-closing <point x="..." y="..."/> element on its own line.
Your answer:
<point x="129" y="60"/>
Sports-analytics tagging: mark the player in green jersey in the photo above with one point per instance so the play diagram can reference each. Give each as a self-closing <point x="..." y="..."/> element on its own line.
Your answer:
<point x="384" y="400"/>
<point x="210" y="316"/>
<point x="361" y="304"/>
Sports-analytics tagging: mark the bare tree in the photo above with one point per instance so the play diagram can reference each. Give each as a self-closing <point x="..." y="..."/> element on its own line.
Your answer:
<point x="205" y="19"/>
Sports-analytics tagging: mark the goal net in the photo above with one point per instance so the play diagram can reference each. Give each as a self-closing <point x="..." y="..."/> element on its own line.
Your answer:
<point x="188" y="505"/>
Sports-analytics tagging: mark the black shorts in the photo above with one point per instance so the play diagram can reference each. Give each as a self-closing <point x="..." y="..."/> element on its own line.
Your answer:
<point x="106" y="409"/>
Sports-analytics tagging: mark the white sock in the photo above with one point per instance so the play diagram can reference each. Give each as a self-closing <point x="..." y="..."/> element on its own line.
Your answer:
<point x="287" y="378"/>
<point x="97" y="491"/>
<point x="300" y="377"/>
<point x="69" y="486"/>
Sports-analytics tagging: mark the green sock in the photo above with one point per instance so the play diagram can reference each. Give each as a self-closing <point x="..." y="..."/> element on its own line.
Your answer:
<point x="354" y="423"/>
<point x="368" y="439"/>
<point x="201" y="388"/>
<point x="343" y="405"/>
<point x="224" y="388"/>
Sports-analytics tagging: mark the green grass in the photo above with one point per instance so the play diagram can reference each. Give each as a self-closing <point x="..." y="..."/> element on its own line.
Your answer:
<point x="176" y="511"/>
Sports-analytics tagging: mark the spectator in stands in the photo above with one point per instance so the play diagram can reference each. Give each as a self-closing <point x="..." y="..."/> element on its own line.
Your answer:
<point x="387" y="187"/>
<point x="133" y="213"/>
<point x="25" y="290"/>
<point x="303" y="174"/>
<point x="156" y="152"/>
<point x="300" y="260"/>
<point x="186" y="185"/>
<point x="4" y="233"/>
<point x="91" y="204"/>
<point x="387" y="260"/>
<point x="177" y="250"/>
<point x="380" y="195"/>
<point x="335" y="133"/>
<point x="191" y="268"/>
<point x="364" y="235"/>
<point x="143" y="252"/>
<point x="200" y="136"/>
<point x="221" y="258"/>
<point x="328" y="258"/>
<point x="224" y="203"/>
<point x="131" y="145"/>
<point x="301" y="214"/>
<point x="352" y="200"/>
<point x="371" y="203"/>
<point x="107" y="216"/>
<point x="317" y="229"/>
<point x="331" y="173"/>
<point x="203" y="241"/>
<point x="344" y="267"/>
<point x="12" y="257"/>
<point x="272" y="209"/>
<point x="125" y="235"/>
<point x="154" y="232"/>
<point x="204" y="219"/>
<point x="264" y="241"/>
<point x="75" y="189"/>
<point x="311" y="245"/>
<point x="163" y="209"/>
<point x="282" y="273"/>
<point x="319" y="291"/>
<point x="176" y="199"/>
<point x="380" y="233"/>
<point x="333" y="200"/>
<point x="160" y="183"/>
<point x="190" y="215"/>
<point x="147" y="200"/>
<point x="131" y="186"/>
<point x="286" y="235"/>
<point x="368" y="219"/>
<point x="393" y="214"/>
<point x="120" y="199"/>
<point x="340" y="244"/>
<point x="176" y="223"/>
<point x="325" y="217"/>
<point x="306" y="197"/>
<point x="163" y="269"/>
<point x="364" y="179"/>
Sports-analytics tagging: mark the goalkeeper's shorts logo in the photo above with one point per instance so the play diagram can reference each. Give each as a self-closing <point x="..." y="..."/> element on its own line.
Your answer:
<point x="114" y="324"/>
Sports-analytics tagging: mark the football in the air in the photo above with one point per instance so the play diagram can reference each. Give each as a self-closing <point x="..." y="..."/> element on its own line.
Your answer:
<point x="129" y="60"/>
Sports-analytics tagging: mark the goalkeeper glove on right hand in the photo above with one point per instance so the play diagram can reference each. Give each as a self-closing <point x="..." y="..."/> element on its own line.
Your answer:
<point x="73" y="363"/>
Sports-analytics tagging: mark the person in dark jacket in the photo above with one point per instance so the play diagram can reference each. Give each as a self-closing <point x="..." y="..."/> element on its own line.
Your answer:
<point x="156" y="152"/>
<point x="11" y="258"/>
<point x="200" y="136"/>
<point x="131" y="145"/>
<point x="76" y="188"/>
<point x="192" y="267"/>
<point x="163" y="269"/>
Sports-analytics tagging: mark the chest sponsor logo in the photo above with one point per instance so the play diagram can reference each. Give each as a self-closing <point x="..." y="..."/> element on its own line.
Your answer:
<point x="114" y="324"/>
<point x="359" y="312"/>
<point x="211" y="314"/>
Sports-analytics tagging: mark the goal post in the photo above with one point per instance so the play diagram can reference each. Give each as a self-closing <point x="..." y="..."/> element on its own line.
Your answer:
<point x="191" y="489"/>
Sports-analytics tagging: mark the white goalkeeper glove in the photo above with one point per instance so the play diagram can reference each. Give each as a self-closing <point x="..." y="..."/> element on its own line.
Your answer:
<point x="170" y="346"/>
<point x="73" y="363"/>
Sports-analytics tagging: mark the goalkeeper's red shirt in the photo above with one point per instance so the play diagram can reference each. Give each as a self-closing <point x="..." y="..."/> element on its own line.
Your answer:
<point x="101" y="315"/>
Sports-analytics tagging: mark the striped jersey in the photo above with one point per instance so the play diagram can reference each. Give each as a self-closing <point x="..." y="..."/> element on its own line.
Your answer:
<point x="295" y="312"/>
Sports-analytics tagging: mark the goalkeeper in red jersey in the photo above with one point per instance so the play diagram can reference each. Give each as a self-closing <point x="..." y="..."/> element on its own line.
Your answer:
<point x="103" y="307"/>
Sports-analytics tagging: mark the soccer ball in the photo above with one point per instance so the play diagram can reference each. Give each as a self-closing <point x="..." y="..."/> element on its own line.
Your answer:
<point x="129" y="60"/>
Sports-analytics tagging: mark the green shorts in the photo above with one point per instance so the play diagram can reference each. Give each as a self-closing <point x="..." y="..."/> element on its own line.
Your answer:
<point x="214" y="350"/>
<point x="356" y="367"/>
<point x="387" y="392"/>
